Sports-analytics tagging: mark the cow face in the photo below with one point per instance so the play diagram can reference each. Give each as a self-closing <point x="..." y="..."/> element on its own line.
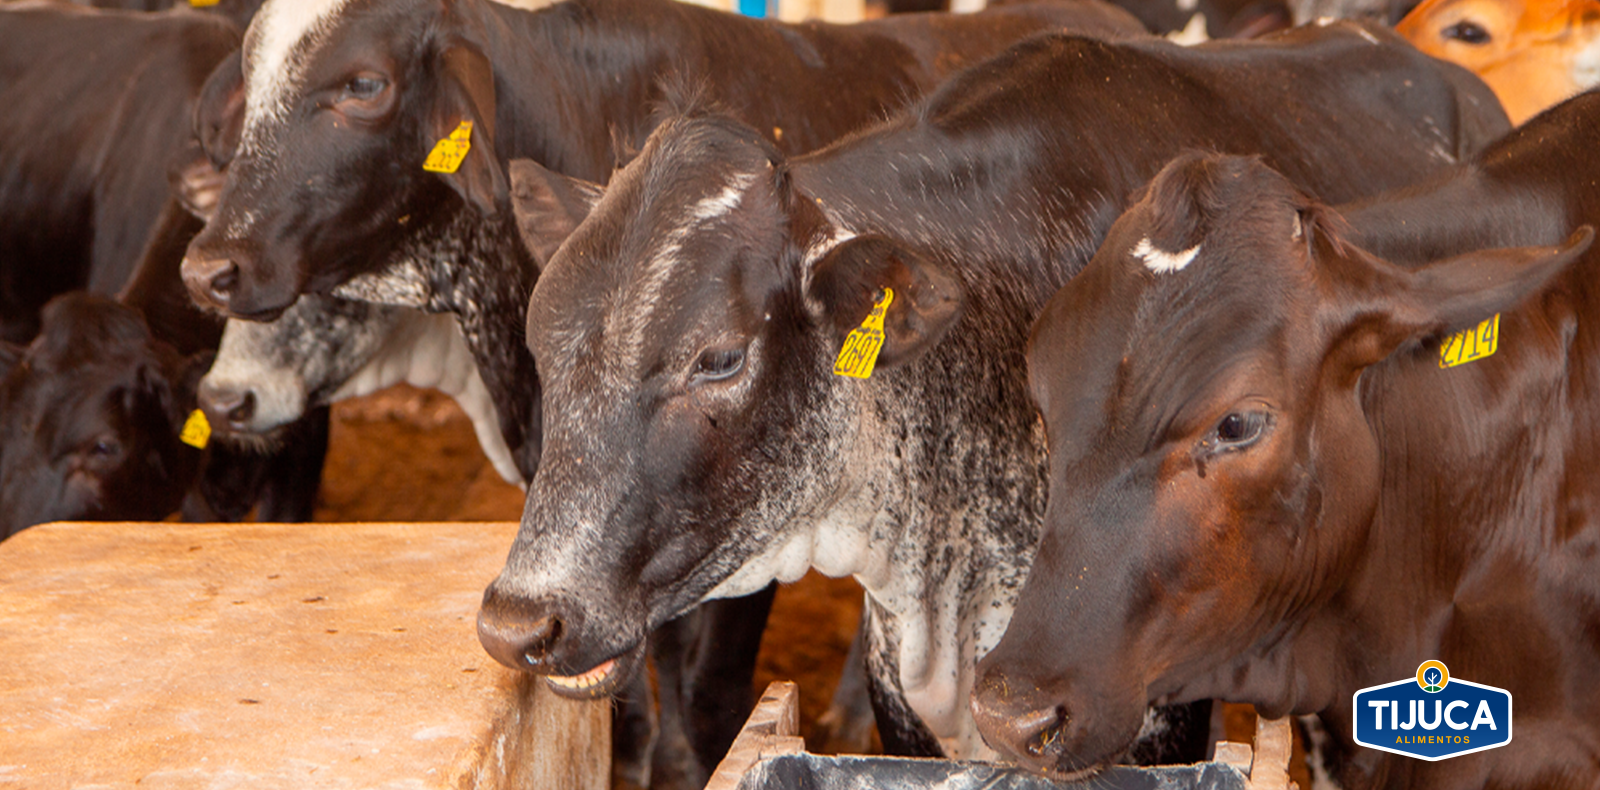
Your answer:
<point x="1532" y="53"/>
<point x="694" y="431"/>
<point x="1212" y="473"/>
<point x="89" y="420"/>
<point x="343" y="100"/>
<point x="267" y="374"/>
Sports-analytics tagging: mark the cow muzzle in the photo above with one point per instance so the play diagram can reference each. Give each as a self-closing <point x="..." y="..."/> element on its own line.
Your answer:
<point x="1045" y="730"/>
<point x="538" y="637"/>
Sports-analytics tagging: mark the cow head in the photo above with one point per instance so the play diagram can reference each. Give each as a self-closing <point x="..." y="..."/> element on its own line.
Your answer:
<point x="1532" y="53"/>
<point x="1213" y="475"/>
<point x="342" y="102"/>
<point x="267" y="374"/>
<point x="685" y="335"/>
<point x="90" y="415"/>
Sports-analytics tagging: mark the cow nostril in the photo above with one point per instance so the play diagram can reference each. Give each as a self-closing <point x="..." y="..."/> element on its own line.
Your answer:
<point x="224" y="281"/>
<point x="242" y="413"/>
<point x="541" y="640"/>
<point x="1047" y="740"/>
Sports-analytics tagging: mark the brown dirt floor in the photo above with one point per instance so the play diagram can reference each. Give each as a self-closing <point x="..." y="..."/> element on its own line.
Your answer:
<point x="406" y="454"/>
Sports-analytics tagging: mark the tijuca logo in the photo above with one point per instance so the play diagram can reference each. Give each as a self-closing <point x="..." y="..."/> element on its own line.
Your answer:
<point x="1432" y="716"/>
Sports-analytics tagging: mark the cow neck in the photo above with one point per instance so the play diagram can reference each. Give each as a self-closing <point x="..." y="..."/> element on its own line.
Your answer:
<point x="947" y="503"/>
<point x="477" y="269"/>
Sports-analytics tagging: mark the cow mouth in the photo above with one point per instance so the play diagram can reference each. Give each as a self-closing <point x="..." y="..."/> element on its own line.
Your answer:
<point x="603" y="680"/>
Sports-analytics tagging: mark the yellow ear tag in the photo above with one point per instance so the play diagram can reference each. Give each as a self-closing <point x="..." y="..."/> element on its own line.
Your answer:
<point x="203" y="3"/>
<point x="447" y="154"/>
<point x="861" y="347"/>
<point x="1470" y="344"/>
<point x="196" y="430"/>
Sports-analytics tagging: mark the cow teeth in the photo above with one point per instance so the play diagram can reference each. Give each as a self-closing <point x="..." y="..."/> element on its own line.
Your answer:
<point x="593" y="677"/>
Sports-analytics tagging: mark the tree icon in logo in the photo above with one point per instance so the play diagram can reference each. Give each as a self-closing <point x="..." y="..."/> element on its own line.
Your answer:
<point x="1432" y="676"/>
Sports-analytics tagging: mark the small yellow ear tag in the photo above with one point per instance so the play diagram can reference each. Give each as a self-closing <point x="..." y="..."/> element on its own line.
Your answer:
<point x="1470" y="344"/>
<point x="203" y="3"/>
<point x="861" y="347"/>
<point x="447" y="154"/>
<point x="196" y="430"/>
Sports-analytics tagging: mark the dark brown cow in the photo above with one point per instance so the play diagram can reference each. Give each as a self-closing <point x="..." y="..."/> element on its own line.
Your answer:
<point x="1266" y="486"/>
<point x="86" y="143"/>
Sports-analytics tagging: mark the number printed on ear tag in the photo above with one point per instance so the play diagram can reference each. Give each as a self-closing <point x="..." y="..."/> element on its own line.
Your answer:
<point x="447" y="154"/>
<point x="196" y="430"/>
<point x="1469" y="345"/>
<point x="861" y="347"/>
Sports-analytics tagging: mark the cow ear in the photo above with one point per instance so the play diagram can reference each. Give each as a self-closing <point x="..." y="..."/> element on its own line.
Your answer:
<point x="219" y="112"/>
<point x="927" y="298"/>
<point x="196" y="182"/>
<point x="548" y="206"/>
<point x="1384" y="306"/>
<point x="465" y="93"/>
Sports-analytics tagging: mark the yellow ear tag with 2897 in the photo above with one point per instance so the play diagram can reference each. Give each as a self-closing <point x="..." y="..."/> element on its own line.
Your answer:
<point x="861" y="347"/>
<point x="196" y="430"/>
<point x="1470" y="344"/>
<point x="447" y="154"/>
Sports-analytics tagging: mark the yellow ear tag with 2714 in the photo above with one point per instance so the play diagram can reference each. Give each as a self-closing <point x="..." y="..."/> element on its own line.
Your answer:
<point x="447" y="154"/>
<point x="196" y="430"/>
<point x="861" y="347"/>
<point x="1472" y="344"/>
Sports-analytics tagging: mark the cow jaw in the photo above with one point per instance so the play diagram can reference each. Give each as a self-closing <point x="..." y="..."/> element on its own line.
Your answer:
<point x="605" y="679"/>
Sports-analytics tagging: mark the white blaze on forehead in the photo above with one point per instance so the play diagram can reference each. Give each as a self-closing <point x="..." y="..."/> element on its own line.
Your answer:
<point x="278" y="29"/>
<point x="1160" y="261"/>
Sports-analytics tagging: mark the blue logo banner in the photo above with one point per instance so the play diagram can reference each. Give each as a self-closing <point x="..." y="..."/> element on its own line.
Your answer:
<point x="1432" y="716"/>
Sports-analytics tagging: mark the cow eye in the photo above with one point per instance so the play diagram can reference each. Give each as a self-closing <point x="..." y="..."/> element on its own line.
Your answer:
<point x="105" y="448"/>
<point x="716" y="364"/>
<point x="1239" y="429"/>
<point x="365" y="86"/>
<point x="1467" y="32"/>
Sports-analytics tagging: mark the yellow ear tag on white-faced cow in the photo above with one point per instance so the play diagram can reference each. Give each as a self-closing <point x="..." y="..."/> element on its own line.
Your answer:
<point x="196" y="430"/>
<point x="203" y="3"/>
<point x="1469" y="345"/>
<point x="447" y="154"/>
<point x="861" y="347"/>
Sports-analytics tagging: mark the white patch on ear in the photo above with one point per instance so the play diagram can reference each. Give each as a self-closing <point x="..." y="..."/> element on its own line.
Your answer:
<point x="1161" y="261"/>
<point x="1192" y="33"/>
<point x="1299" y="230"/>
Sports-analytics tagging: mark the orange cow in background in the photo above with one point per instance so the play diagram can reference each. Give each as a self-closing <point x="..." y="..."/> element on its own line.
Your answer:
<point x="1533" y="53"/>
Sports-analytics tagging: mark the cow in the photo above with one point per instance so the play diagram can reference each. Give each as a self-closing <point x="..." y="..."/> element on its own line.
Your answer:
<point x="1269" y="484"/>
<point x="85" y="144"/>
<point x="698" y="443"/>
<point x="1533" y="53"/>
<point x="65" y="416"/>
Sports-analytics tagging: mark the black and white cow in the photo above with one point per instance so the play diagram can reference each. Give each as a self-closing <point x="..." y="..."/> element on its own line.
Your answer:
<point x="698" y="443"/>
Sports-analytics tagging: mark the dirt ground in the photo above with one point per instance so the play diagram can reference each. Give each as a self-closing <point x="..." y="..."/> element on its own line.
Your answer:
<point x="410" y="455"/>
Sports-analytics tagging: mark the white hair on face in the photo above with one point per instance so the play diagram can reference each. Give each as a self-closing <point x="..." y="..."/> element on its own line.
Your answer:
<point x="278" y="29"/>
<point x="1160" y="261"/>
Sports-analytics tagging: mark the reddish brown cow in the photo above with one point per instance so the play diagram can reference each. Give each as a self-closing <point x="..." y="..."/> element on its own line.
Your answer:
<point x="1265" y="487"/>
<point x="1533" y="53"/>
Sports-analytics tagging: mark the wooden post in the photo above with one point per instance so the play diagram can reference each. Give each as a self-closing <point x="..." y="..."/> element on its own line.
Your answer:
<point x="772" y="729"/>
